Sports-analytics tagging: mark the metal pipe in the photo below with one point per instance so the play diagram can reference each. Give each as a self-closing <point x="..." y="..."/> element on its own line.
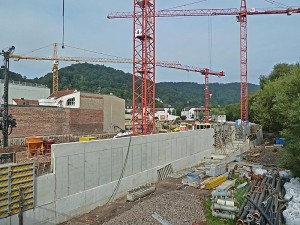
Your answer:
<point x="256" y="214"/>
<point x="278" y="216"/>
<point x="249" y="218"/>
<point x="260" y="210"/>
<point x="240" y="222"/>
<point x="223" y="215"/>
<point x="225" y="208"/>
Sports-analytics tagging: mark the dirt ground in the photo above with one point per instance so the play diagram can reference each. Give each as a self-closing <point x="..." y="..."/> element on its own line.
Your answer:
<point x="109" y="211"/>
<point x="265" y="155"/>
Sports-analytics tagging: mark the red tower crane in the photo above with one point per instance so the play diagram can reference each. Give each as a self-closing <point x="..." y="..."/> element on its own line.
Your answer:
<point x="165" y="64"/>
<point x="241" y="15"/>
<point x="143" y="82"/>
<point x="206" y="72"/>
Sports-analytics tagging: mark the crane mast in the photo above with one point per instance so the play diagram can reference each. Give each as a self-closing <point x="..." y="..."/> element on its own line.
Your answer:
<point x="242" y="18"/>
<point x="143" y="82"/>
<point x="55" y="70"/>
<point x="164" y="64"/>
<point x="241" y="14"/>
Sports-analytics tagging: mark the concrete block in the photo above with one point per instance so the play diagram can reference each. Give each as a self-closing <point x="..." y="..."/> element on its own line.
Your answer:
<point x="144" y="157"/>
<point x="120" y="142"/>
<point x="45" y="189"/>
<point x="91" y="170"/>
<point x="69" y="206"/>
<point x="76" y="173"/>
<point x="136" y="159"/>
<point x="125" y="185"/>
<point x="128" y="168"/>
<point x="139" y="140"/>
<point x="168" y="151"/>
<point x="98" y="145"/>
<point x="117" y="163"/>
<point x="105" y="175"/>
<point x="152" y="175"/>
<point x="13" y="220"/>
<point x="5" y="221"/>
<point x="149" y="155"/>
<point x="155" y="154"/>
<point x="62" y="177"/>
<point x="62" y="150"/>
<point x="178" y="147"/>
<point x="151" y="138"/>
<point x="162" y="151"/>
<point x="174" y="149"/>
<point x="40" y="215"/>
<point x="184" y="147"/>
<point x="98" y="194"/>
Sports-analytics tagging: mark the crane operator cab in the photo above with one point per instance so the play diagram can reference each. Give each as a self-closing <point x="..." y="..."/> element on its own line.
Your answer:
<point x="138" y="33"/>
<point x="141" y="3"/>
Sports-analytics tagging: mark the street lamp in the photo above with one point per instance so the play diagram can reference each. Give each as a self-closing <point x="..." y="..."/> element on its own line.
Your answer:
<point x="7" y="119"/>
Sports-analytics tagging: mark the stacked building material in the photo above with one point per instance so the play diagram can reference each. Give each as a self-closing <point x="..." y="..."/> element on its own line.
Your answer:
<point x="212" y="183"/>
<point x="264" y="201"/>
<point x="224" y="205"/>
<point x="216" y="169"/>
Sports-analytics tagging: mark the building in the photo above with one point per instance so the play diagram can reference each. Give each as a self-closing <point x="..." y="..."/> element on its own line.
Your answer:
<point x="69" y="112"/>
<point x="219" y="118"/>
<point x="24" y="90"/>
<point x="163" y="114"/>
<point x="192" y="112"/>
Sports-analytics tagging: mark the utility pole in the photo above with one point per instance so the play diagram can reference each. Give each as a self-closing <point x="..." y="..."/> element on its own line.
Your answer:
<point x="5" y="117"/>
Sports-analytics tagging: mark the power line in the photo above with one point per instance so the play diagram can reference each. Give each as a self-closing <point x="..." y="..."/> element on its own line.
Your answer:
<point x="91" y="51"/>
<point x="192" y="3"/>
<point x="37" y="49"/>
<point x="276" y="3"/>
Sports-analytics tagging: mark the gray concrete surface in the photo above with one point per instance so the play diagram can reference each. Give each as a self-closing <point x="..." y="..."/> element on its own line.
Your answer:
<point x="85" y="174"/>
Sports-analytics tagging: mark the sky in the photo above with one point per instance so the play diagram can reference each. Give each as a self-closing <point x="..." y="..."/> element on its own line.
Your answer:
<point x="36" y="24"/>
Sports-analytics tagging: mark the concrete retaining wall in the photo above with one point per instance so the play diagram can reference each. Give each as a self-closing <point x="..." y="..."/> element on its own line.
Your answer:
<point x="86" y="173"/>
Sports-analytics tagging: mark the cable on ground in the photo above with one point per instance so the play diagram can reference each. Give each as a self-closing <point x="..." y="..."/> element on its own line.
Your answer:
<point x="122" y="173"/>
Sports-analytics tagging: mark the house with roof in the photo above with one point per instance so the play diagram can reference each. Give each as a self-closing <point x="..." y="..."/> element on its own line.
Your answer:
<point x="192" y="112"/>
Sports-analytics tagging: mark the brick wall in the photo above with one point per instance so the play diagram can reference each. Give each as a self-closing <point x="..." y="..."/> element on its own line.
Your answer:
<point x="43" y="121"/>
<point x="86" y="121"/>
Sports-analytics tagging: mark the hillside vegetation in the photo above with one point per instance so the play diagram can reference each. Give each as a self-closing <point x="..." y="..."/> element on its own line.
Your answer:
<point x="106" y="80"/>
<point x="277" y="108"/>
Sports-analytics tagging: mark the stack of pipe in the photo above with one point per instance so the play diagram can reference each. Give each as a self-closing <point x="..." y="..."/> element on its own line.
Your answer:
<point x="264" y="201"/>
<point x="224" y="205"/>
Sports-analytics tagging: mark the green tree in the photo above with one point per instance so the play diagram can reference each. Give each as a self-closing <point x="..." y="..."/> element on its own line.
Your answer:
<point x="232" y="111"/>
<point x="277" y="107"/>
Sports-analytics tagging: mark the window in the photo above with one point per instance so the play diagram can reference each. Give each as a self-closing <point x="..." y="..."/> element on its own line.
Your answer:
<point x="71" y="101"/>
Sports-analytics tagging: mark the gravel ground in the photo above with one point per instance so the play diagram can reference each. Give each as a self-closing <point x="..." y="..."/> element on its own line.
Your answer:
<point x="177" y="207"/>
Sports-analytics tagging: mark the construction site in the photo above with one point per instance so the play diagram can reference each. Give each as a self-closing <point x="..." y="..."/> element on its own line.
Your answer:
<point x="73" y="157"/>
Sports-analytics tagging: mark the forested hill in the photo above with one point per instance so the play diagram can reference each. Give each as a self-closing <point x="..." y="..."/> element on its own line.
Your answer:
<point x="105" y="80"/>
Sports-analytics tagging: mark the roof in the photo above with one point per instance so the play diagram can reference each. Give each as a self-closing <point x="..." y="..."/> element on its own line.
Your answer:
<point x="25" y="101"/>
<point x="159" y="109"/>
<point x="199" y="109"/>
<point x="196" y="108"/>
<point x="61" y="93"/>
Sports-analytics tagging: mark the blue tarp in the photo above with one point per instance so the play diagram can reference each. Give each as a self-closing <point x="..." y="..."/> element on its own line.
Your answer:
<point x="280" y="141"/>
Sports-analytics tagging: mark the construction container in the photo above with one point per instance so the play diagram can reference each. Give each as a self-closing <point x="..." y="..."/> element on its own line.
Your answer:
<point x="47" y="146"/>
<point x="86" y="138"/>
<point x="214" y="182"/>
<point x="34" y="146"/>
